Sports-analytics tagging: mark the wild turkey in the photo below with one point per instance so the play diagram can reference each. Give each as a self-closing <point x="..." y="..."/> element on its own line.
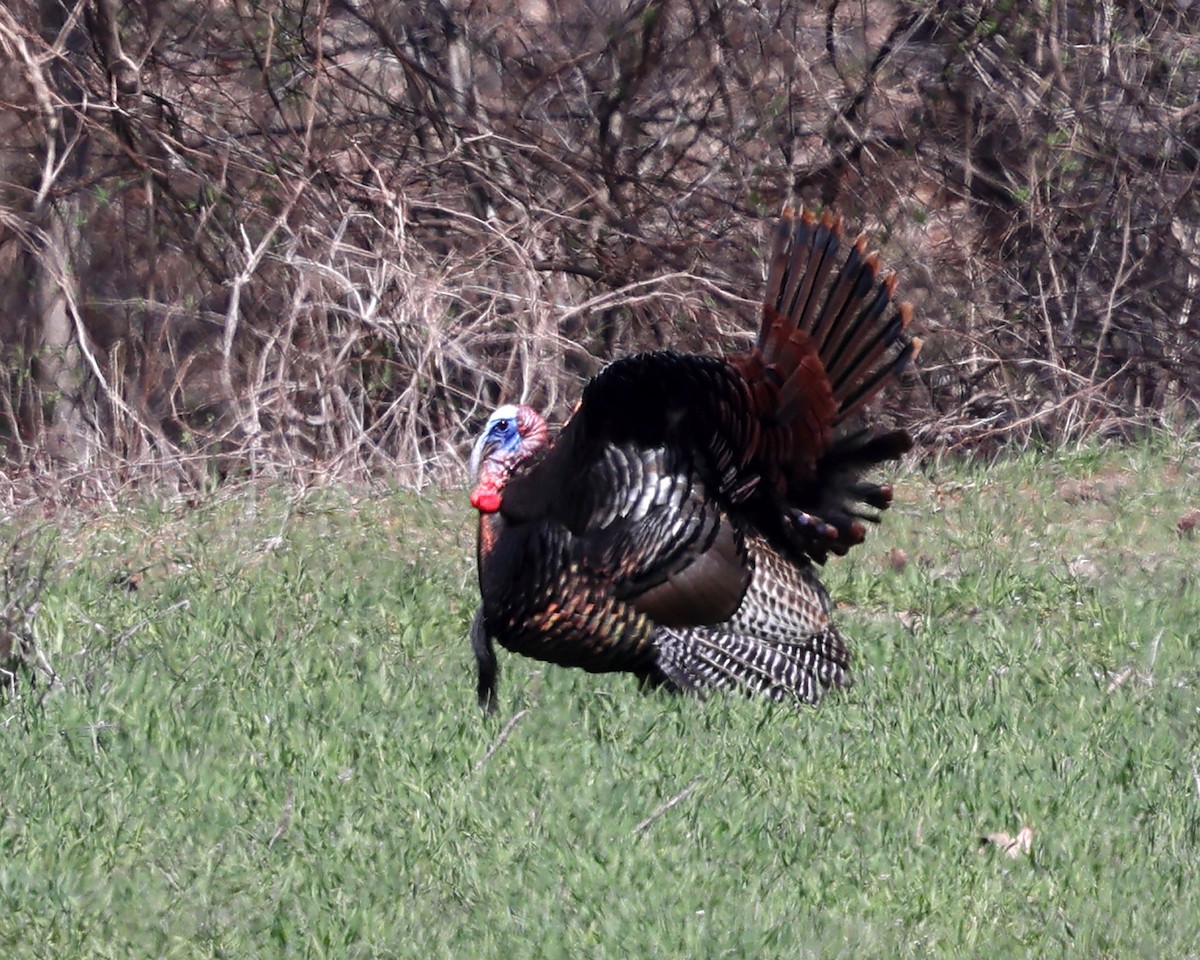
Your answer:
<point x="671" y="527"/>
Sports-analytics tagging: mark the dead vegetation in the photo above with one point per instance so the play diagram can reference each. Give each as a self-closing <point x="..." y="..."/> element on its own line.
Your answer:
<point x="25" y="569"/>
<point x="320" y="239"/>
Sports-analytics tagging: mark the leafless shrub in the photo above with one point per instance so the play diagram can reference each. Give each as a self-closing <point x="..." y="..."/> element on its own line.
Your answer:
<point x="319" y="239"/>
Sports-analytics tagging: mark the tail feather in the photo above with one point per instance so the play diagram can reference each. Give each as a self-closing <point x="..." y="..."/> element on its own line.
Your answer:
<point x="853" y="283"/>
<point x="776" y="272"/>
<point x="838" y="492"/>
<point x="878" y="379"/>
<point x="813" y="256"/>
<point x="861" y="336"/>
<point x="802" y="257"/>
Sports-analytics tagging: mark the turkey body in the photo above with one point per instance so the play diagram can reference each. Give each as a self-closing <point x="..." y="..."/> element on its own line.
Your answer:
<point x="671" y="528"/>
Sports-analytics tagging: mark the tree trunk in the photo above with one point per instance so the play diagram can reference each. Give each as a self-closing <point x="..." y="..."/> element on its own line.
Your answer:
<point x="54" y="284"/>
<point x="61" y="374"/>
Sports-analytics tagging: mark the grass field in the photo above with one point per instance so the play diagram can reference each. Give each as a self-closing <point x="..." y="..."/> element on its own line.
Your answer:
<point x="271" y="748"/>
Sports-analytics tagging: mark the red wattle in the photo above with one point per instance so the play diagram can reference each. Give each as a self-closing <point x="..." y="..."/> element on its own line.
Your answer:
<point x="485" y="501"/>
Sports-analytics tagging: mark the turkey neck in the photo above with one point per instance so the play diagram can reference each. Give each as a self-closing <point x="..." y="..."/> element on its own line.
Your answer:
<point x="509" y="555"/>
<point x="488" y="560"/>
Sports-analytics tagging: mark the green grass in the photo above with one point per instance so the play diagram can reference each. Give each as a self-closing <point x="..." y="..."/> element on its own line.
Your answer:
<point x="272" y="748"/>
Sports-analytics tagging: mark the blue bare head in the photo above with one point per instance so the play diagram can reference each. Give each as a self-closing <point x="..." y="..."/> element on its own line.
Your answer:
<point x="512" y="434"/>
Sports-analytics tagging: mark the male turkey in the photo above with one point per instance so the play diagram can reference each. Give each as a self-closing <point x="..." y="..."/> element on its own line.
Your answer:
<point x="671" y="527"/>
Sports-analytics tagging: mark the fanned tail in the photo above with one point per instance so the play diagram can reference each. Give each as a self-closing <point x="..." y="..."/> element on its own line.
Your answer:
<point x="859" y="348"/>
<point x="831" y="339"/>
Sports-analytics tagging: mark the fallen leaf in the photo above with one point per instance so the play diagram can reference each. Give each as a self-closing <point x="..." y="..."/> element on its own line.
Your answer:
<point x="897" y="559"/>
<point x="1013" y="847"/>
<point x="1122" y="675"/>
<point x="1103" y="489"/>
<point x="1076" y="491"/>
<point x="1186" y="527"/>
<point x="1083" y="567"/>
